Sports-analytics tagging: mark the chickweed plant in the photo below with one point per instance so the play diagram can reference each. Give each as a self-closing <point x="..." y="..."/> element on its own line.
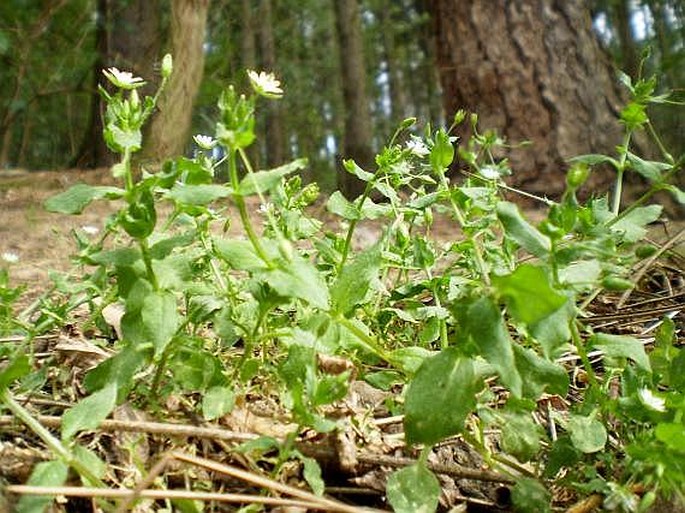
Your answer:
<point x="477" y="332"/>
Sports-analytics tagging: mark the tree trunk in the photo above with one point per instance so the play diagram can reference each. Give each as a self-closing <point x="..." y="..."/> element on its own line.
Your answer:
<point x="534" y="71"/>
<point x="128" y="37"/>
<point x="169" y="131"/>
<point x="398" y="98"/>
<point x="275" y="136"/>
<point x="358" y="133"/>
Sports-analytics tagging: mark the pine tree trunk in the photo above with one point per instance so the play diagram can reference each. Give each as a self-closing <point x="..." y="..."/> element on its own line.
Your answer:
<point x="170" y="128"/>
<point x="275" y="136"/>
<point x="358" y="132"/>
<point x="534" y="71"/>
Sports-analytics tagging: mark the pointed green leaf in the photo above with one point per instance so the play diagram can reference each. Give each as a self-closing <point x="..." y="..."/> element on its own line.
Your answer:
<point x="46" y="473"/>
<point x="677" y="193"/>
<point x="352" y="168"/>
<point x="413" y="489"/>
<point x="528" y="294"/>
<point x="339" y="205"/>
<point x="440" y="397"/>
<point x="553" y="331"/>
<point x="526" y="235"/>
<point x="588" y="434"/>
<point x="79" y="196"/>
<point x="621" y="346"/>
<point x="89" y="412"/>
<point x="240" y="254"/>
<point x="160" y="318"/>
<point x="530" y="495"/>
<point x="541" y="375"/>
<point x="353" y="283"/>
<point x="263" y="181"/>
<point x="484" y="325"/>
<point x="201" y="194"/>
<point x="648" y="169"/>
<point x="217" y="402"/>
<point x="633" y="223"/>
<point x="298" y="278"/>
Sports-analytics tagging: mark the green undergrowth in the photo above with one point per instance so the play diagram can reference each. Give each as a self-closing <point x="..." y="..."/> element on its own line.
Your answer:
<point x="471" y="334"/>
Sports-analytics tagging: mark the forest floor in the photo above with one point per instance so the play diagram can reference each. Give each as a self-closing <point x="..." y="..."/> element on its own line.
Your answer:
<point x="42" y="241"/>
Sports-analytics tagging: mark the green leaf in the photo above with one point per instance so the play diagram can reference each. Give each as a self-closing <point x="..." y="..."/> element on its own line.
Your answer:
<point x="442" y="153"/>
<point x="352" y="168"/>
<point x="352" y="284"/>
<point x="299" y="279"/>
<point x="46" y="473"/>
<point x="160" y="318"/>
<point x="440" y="397"/>
<point x="217" y="402"/>
<point x="671" y="434"/>
<point x="18" y="367"/>
<point x="528" y="294"/>
<point x="648" y="169"/>
<point x="593" y="159"/>
<point x="263" y="181"/>
<point x="311" y="472"/>
<point x="633" y="223"/>
<point x="530" y="495"/>
<point x="79" y="196"/>
<point x="621" y="346"/>
<point x="201" y="194"/>
<point x="484" y="325"/>
<point x="588" y="435"/>
<point x="520" y="435"/>
<point x="526" y="235"/>
<point x="240" y="254"/>
<point x="541" y="375"/>
<point x="413" y="489"/>
<point x="92" y="462"/>
<point x="677" y="193"/>
<point x="340" y="206"/>
<point x="553" y="331"/>
<point x="89" y="412"/>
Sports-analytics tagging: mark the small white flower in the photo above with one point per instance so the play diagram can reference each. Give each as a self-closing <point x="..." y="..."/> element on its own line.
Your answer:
<point x="490" y="172"/>
<point x="264" y="208"/>
<point x="90" y="229"/>
<point x="265" y="84"/>
<point x="417" y="147"/>
<point x="651" y="401"/>
<point x="204" y="141"/>
<point x="10" y="257"/>
<point x="123" y="79"/>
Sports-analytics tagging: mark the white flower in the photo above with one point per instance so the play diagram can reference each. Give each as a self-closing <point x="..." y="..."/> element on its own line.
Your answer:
<point x="90" y="229"/>
<point x="490" y="172"/>
<point x="264" y="208"/>
<point x="204" y="141"/>
<point x="651" y="401"/>
<point x="417" y="147"/>
<point x="123" y="79"/>
<point x="265" y="84"/>
<point x="10" y="257"/>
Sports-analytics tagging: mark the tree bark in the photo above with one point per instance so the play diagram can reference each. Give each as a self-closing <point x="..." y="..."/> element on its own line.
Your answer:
<point x="358" y="132"/>
<point x="534" y="71"/>
<point x="170" y="128"/>
<point x="275" y="135"/>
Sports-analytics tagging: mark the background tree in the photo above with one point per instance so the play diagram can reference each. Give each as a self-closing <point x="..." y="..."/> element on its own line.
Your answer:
<point x="535" y="72"/>
<point x="358" y="128"/>
<point x="170" y="127"/>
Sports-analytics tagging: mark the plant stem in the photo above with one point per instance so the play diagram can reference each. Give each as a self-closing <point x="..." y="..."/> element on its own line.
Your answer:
<point x="578" y="342"/>
<point x="54" y="445"/>
<point x="145" y="251"/>
<point x="618" y="191"/>
<point x="242" y="209"/>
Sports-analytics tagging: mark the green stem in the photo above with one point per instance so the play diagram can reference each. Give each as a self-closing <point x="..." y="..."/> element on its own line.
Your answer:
<point x="145" y="251"/>
<point x="242" y="209"/>
<point x="370" y="342"/>
<point x="53" y="444"/>
<point x="578" y="342"/>
<point x="618" y="191"/>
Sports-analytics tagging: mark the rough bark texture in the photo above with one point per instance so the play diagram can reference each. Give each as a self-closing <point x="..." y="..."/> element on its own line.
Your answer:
<point x="358" y="133"/>
<point x="275" y="135"/>
<point x="533" y="70"/>
<point x="169" y="131"/>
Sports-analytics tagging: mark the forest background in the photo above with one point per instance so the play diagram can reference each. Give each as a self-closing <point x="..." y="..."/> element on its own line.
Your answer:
<point x="537" y="71"/>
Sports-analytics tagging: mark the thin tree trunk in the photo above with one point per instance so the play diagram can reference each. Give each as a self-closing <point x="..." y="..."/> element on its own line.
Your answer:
<point x="249" y="61"/>
<point x="398" y="98"/>
<point x="170" y="128"/>
<point x="629" y="58"/>
<point x="533" y="70"/>
<point x="358" y="132"/>
<point x="275" y="136"/>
